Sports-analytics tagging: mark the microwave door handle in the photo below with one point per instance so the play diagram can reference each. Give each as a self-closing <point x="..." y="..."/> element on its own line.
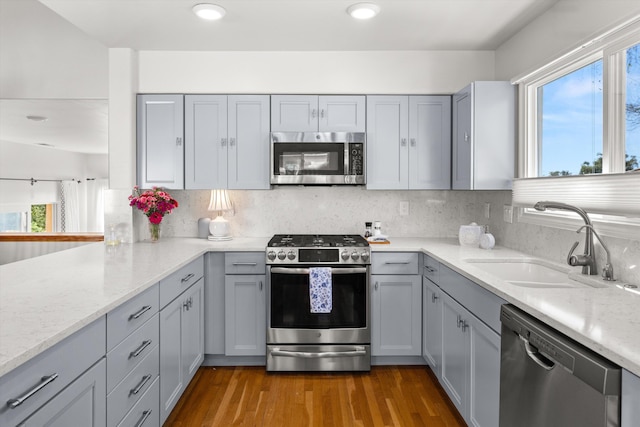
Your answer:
<point x="347" y="270"/>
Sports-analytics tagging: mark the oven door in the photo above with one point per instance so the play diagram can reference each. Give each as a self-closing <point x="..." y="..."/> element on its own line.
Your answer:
<point x="289" y="316"/>
<point x="309" y="162"/>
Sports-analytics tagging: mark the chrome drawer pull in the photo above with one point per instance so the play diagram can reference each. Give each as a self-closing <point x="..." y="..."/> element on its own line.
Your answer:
<point x="245" y="264"/>
<point x="14" y="403"/>
<point x="140" y="349"/>
<point x="397" y="262"/>
<point x="140" y="312"/>
<point x="139" y="387"/>
<point x="144" y="417"/>
<point x="187" y="277"/>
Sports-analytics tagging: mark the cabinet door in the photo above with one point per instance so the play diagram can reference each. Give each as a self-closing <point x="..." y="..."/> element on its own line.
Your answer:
<point x="192" y="341"/>
<point x="83" y="403"/>
<point x="455" y="353"/>
<point x="248" y="159"/>
<point x="342" y="113"/>
<point x="245" y="315"/>
<point x="484" y="374"/>
<point x="171" y="357"/>
<point x="396" y="315"/>
<point x="462" y="140"/>
<point x="214" y="303"/>
<point x="429" y="142"/>
<point x="160" y="159"/>
<point x="387" y="146"/>
<point x="294" y="113"/>
<point x="432" y="326"/>
<point x="205" y="141"/>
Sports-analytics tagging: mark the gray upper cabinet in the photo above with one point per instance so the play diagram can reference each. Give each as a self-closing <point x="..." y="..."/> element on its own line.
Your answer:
<point x="484" y="139"/>
<point x="160" y="150"/>
<point x="313" y="113"/>
<point x="408" y="142"/>
<point x="227" y="141"/>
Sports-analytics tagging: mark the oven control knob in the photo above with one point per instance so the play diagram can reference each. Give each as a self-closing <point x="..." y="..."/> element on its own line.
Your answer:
<point x="355" y="255"/>
<point x="345" y="255"/>
<point x="291" y="255"/>
<point x="364" y="256"/>
<point x="282" y="255"/>
<point x="271" y="255"/>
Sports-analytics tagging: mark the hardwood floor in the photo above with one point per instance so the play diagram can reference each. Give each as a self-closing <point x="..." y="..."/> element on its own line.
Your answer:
<point x="248" y="396"/>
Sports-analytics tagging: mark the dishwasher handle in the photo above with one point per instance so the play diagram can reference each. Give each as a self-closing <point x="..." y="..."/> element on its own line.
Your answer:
<point x="535" y="355"/>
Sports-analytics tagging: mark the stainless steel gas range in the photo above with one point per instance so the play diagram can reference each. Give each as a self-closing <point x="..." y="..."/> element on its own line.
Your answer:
<point x="318" y="303"/>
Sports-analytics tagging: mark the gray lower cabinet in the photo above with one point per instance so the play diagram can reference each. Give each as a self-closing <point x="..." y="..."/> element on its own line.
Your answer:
<point x="432" y="325"/>
<point x="181" y="345"/>
<point x="245" y="304"/>
<point x="396" y="304"/>
<point x="83" y="403"/>
<point x="630" y="410"/>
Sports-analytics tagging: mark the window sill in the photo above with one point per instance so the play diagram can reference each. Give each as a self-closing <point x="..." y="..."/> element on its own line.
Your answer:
<point x="51" y="237"/>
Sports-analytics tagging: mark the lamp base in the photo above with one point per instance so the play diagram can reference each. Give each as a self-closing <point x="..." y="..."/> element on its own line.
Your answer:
<point x="219" y="229"/>
<point x="219" y="239"/>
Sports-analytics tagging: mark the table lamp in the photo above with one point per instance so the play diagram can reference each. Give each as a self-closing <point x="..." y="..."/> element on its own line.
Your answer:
<point x="219" y="227"/>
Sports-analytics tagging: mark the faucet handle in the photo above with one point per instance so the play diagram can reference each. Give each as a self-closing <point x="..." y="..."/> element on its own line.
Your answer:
<point x="607" y="273"/>
<point x="571" y="258"/>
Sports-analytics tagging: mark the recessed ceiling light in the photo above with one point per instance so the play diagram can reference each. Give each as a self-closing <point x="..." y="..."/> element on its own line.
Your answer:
<point x="363" y="10"/>
<point x="208" y="11"/>
<point x="37" y="118"/>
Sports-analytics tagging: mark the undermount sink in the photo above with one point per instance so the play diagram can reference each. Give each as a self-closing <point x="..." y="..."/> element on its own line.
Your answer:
<point x="529" y="273"/>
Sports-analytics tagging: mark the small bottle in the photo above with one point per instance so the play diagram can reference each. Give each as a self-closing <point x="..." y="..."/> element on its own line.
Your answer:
<point x="111" y="238"/>
<point x="367" y="230"/>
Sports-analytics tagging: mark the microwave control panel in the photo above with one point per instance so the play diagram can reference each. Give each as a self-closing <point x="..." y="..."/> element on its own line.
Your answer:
<point x="356" y="158"/>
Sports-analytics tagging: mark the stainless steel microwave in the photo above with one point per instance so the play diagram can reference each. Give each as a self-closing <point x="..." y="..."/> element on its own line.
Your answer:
<point x="307" y="158"/>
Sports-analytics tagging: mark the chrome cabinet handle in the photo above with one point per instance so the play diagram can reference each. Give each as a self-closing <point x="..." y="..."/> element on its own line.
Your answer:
<point x="397" y="262"/>
<point x="464" y="325"/>
<point x="403" y="142"/>
<point x="434" y="298"/>
<point x="458" y="321"/>
<point x="46" y="380"/>
<point x="466" y="137"/>
<point x="144" y="417"/>
<point x="314" y="113"/>
<point x="322" y="113"/>
<point x="137" y="351"/>
<point x="260" y="286"/>
<point x="223" y="141"/>
<point x="429" y="269"/>
<point x="178" y="141"/>
<point x="188" y="304"/>
<point x="232" y="142"/>
<point x="375" y="286"/>
<point x="140" y="312"/>
<point x="413" y="142"/>
<point x="139" y="387"/>
<point x="245" y="264"/>
<point x="187" y="277"/>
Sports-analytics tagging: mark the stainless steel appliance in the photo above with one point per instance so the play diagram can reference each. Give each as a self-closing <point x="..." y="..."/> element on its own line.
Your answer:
<point x="547" y="379"/>
<point x="301" y="340"/>
<point x="317" y="158"/>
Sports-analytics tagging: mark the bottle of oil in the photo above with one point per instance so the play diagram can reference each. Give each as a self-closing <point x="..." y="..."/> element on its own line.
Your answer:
<point x="367" y="230"/>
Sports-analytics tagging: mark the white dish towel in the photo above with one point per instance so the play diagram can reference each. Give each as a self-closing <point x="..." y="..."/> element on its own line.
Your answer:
<point x="320" y="293"/>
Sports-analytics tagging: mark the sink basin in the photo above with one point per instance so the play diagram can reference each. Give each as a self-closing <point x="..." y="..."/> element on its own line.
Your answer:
<point x="528" y="273"/>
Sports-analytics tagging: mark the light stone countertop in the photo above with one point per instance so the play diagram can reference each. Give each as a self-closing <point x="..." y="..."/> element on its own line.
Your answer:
<point x="45" y="299"/>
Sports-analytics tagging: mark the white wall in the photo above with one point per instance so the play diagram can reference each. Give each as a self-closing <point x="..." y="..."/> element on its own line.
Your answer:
<point x="562" y="28"/>
<point x="44" y="56"/>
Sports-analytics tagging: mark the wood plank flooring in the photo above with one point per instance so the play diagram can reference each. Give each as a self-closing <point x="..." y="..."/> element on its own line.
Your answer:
<point x="400" y="396"/>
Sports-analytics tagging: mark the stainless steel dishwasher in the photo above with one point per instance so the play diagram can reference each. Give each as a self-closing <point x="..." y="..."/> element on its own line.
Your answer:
<point x="549" y="380"/>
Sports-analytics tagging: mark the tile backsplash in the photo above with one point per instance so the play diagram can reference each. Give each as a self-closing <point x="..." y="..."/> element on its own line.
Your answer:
<point x="262" y="213"/>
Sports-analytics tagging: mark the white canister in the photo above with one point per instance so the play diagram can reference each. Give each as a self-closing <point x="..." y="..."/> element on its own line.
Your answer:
<point x="469" y="235"/>
<point x="203" y="228"/>
<point x="487" y="241"/>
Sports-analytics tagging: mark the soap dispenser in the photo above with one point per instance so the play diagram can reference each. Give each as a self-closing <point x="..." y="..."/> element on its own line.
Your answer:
<point x="487" y="241"/>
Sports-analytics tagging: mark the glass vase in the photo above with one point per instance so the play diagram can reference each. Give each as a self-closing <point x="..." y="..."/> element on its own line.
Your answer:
<point x="154" y="231"/>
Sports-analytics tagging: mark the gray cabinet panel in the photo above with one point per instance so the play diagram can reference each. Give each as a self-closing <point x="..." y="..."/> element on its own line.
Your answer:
<point x="455" y="354"/>
<point x="248" y="154"/>
<point x="244" y="263"/>
<point x="462" y="166"/>
<point x="171" y="359"/>
<point x="145" y="413"/>
<point x="160" y="141"/>
<point x="294" y="113"/>
<point x="432" y="325"/>
<point x="68" y="359"/>
<point x="83" y="403"/>
<point x="484" y="374"/>
<point x="245" y="315"/>
<point x="341" y="113"/>
<point x="630" y="410"/>
<point x="205" y="141"/>
<point x="395" y="263"/>
<point x="131" y="315"/>
<point x="179" y="281"/>
<point x="396" y="315"/>
<point x="193" y="331"/>
<point x="214" y="303"/>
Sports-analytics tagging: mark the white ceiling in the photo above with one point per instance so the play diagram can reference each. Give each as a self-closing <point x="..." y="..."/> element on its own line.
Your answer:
<point x="251" y="25"/>
<point x="267" y="25"/>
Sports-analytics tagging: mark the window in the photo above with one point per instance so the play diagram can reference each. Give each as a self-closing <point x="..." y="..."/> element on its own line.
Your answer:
<point x="580" y="116"/>
<point x="34" y="219"/>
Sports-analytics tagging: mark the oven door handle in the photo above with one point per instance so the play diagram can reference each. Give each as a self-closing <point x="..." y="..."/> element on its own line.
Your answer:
<point x="357" y="351"/>
<point x="349" y="270"/>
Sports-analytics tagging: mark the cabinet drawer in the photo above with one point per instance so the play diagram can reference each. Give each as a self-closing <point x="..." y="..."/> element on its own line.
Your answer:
<point x="179" y="281"/>
<point x="145" y="413"/>
<point x="482" y="303"/>
<point x="126" y="355"/>
<point x="244" y="263"/>
<point x="67" y="360"/>
<point x="431" y="269"/>
<point x="395" y="263"/>
<point x="131" y="389"/>
<point x="131" y="315"/>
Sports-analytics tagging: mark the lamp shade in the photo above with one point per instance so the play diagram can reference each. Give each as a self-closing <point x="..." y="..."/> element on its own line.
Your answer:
<point x="220" y="201"/>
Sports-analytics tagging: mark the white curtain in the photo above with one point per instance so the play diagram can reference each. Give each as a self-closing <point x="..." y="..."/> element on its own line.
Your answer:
<point x="95" y="204"/>
<point x="69" y="207"/>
